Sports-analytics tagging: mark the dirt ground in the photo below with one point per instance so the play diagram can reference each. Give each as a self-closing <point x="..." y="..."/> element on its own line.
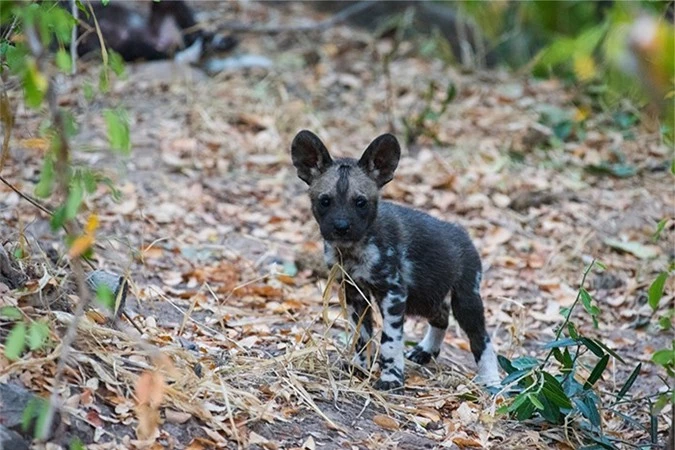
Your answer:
<point x="214" y="232"/>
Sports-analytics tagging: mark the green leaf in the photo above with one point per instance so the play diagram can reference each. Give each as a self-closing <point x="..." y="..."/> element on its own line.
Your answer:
<point x="16" y="341"/>
<point x="74" y="200"/>
<point x="524" y="411"/>
<point x="11" y="312"/>
<point x="76" y="444"/>
<point x="629" y="382"/>
<point x="572" y="330"/>
<point x="517" y="402"/>
<point x="625" y="119"/>
<point x="592" y="408"/>
<point x="550" y="412"/>
<point x="586" y="300"/>
<point x="505" y="364"/>
<point x="34" y="85"/>
<point x="566" y="342"/>
<point x="60" y="22"/>
<point x="532" y="397"/>
<point x="88" y="90"/>
<point x="44" y="187"/>
<point x="565" y="311"/>
<point x="63" y="61"/>
<point x="616" y="169"/>
<point x="664" y="357"/>
<point x="563" y="130"/>
<point x="561" y="50"/>
<point x="89" y="181"/>
<point x="525" y="362"/>
<point x="82" y="8"/>
<point x="662" y="402"/>
<point x="600" y="265"/>
<point x="104" y="80"/>
<point x="69" y="123"/>
<point x="635" y="248"/>
<point x="29" y="413"/>
<point x="16" y="58"/>
<point x="36" y="410"/>
<point x="116" y="63"/>
<point x="38" y="332"/>
<point x="58" y="218"/>
<point x="593" y="346"/>
<point x="659" y="228"/>
<point x="609" y="350"/>
<point x="666" y="321"/>
<point x="553" y="391"/>
<point x="41" y="422"/>
<point x="513" y="376"/>
<point x="118" y="130"/>
<point x="105" y="296"/>
<point x="564" y="358"/>
<point x="656" y="290"/>
<point x="502" y="410"/>
<point x="597" y="372"/>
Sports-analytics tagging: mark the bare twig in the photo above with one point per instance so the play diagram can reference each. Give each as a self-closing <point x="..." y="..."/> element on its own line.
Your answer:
<point x="26" y="197"/>
<point x="73" y="37"/>
<point x="66" y="346"/>
<point x="338" y="18"/>
<point x="7" y="120"/>
<point x="61" y="166"/>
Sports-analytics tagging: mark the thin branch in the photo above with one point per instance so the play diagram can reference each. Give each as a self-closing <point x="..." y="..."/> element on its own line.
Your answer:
<point x="571" y="310"/>
<point x="26" y="197"/>
<point x="66" y="346"/>
<point x="73" y="37"/>
<point x="61" y="166"/>
<point x="338" y="18"/>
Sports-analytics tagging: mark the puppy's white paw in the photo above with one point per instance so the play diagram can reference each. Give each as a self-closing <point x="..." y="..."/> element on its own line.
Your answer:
<point x="488" y="368"/>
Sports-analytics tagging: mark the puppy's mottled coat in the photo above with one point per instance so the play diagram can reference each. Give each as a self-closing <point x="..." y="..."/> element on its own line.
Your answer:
<point x="408" y="261"/>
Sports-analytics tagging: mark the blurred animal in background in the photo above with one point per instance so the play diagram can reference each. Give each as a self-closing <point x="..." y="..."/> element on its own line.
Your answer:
<point x="170" y="30"/>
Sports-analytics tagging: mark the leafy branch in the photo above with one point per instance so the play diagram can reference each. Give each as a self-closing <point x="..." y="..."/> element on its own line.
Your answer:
<point x="557" y="396"/>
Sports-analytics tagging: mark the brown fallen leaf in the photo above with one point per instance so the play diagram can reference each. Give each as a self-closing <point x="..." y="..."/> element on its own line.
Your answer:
<point x="466" y="442"/>
<point x="386" y="422"/>
<point x="96" y="316"/>
<point x="149" y="393"/>
<point x="178" y="417"/>
<point x="466" y="414"/>
<point x="80" y="245"/>
<point x="200" y="444"/>
<point x="148" y="422"/>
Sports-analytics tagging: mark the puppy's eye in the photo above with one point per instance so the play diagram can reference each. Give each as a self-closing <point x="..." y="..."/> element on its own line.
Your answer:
<point x="361" y="202"/>
<point x="324" y="201"/>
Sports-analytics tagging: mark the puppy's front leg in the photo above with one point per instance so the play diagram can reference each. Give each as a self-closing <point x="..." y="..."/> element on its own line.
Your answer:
<point x="393" y="316"/>
<point x="360" y="318"/>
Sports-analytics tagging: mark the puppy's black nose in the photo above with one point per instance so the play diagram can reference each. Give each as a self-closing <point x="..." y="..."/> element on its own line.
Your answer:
<point x="341" y="226"/>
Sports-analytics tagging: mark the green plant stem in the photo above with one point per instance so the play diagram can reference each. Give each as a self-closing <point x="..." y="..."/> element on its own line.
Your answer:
<point x="569" y="314"/>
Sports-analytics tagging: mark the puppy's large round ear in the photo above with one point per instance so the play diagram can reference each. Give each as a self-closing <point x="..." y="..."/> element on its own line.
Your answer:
<point x="310" y="156"/>
<point x="380" y="159"/>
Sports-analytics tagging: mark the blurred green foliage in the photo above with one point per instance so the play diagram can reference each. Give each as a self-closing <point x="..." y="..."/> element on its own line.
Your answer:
<point x="619" y="50"/>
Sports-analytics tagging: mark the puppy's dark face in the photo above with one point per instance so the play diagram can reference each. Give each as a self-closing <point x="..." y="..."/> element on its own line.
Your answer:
<point x="344" y="192"/>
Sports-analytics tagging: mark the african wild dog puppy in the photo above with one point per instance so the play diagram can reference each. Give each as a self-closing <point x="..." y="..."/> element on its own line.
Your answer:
<point x="408" y="261"/>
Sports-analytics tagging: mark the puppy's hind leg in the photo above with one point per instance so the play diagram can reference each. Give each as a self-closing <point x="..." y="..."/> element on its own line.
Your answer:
<point x="467" y="307"/>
